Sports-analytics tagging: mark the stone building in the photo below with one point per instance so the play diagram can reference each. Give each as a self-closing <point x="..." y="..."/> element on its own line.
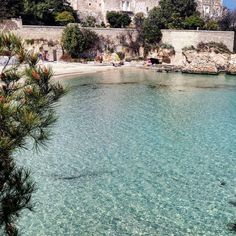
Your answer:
<point x="210" y="8"/>
<point x="99" y="8"/>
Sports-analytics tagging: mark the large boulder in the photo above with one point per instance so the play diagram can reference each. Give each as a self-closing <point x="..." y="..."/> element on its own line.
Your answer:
<point x="201" y="68"/>
<point x="232" y="65"/>
<point x="199" y="63"/>
<point x="210" y="58"/>
<point x="166" y="54"/>
<point x="207" y="62"/>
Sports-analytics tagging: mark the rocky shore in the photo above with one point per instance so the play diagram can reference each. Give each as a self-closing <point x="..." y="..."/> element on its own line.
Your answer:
<point x="209" y="59"/>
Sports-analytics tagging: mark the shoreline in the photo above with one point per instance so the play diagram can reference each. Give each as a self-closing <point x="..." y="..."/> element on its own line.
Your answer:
<point x="64" y="70"/>
<point x="68" y="70"/>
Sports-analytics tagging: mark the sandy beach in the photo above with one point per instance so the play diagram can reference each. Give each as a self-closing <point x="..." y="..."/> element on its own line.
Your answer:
<point x="68" y="69"/>
<point x="64" y="69"/>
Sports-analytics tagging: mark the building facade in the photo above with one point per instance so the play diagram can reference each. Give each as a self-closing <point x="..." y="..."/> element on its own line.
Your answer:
<point x="99" y="8"/>
<point x="210" y="8"/>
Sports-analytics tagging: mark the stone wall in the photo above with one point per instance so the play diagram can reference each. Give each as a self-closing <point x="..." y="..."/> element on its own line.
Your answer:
<point x="40" y="32"/>
<point x="177" y="38"/>
<point x="184" y="38"/>
<point x="210" y="8"/>
<point x="12" y="24"/>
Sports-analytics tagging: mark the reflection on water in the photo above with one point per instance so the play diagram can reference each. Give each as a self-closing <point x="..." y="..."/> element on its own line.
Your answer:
<point x="140" y="158"/>
<point x="151" y="77"/>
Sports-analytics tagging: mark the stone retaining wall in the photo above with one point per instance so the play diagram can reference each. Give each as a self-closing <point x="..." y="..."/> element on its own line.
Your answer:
<point x="184" y="38"/>
<point x="177" y="38"/>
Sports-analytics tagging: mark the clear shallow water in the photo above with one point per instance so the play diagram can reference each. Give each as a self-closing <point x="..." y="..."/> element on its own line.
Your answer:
<point x="138" y="159"/>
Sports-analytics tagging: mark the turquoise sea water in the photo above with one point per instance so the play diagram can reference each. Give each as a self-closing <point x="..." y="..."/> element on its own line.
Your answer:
<point x="154" y="157"/>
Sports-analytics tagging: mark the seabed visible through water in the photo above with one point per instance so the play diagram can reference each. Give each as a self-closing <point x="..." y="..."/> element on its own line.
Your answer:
<point x="135" y="152"/>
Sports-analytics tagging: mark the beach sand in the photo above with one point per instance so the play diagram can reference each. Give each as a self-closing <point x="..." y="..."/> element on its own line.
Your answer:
<point x="64" y="69"/>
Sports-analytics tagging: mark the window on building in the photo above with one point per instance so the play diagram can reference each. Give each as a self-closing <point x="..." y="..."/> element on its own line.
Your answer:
<point x="125" y="5"/>
<point x="206" y="10"/>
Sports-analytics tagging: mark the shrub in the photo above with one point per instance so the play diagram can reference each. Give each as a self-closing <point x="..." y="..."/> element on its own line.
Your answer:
<point x="212" y="46"/>
<point x="209" y="47"/>
<point x="189" y="48"/>
<point x="166" y="46"/>
<point x="90" y="21"/>
<point x="121" y="55"/>
<point x="211" y="25"/>
<point x="103" y="25"/>
<point x="29" y="41"/>
<point x="64" y="18"/>
<point x="76" y="41"/>
<point x="193" y="22"/>
<point x="170" y="48"/>
<point x="118" y="19"/>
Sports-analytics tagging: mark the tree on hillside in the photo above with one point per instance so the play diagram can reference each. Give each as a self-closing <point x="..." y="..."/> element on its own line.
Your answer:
<point x="11" y="8"/>
<point x="26" y="113"/>
<point x="45" y="11"/>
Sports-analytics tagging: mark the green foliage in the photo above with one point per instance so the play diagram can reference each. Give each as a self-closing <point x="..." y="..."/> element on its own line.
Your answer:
<point x="150" y="31"/>
<point x="184" y="8"/>
<point x="209" y="47"/>
<point x="189" y="48"/>
<point x="176" y="21"/>
<point x="212" y="46"/>
<point x="172" y="13"/>
<point x="27" y="112"/>
<point x="211" y="25"/>
<point x="45" y="12"/>
<point x="64" y="18"/>
<point x="193" y="22"/>
<point x="77" y="41"/>
<point x="155" y="17"/>
<point x="166" y="46"/>
<point x="11" y="8"/>
<point x="103" y="25"/>
<point x="121" y="55"/>
<point x="118" y="19"/>
<point x="90" y="21"/>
